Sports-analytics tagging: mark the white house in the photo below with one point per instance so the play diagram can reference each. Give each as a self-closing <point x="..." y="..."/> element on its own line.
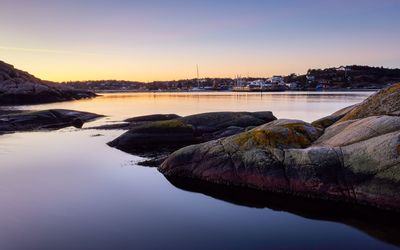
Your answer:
<point x="277" y="79"/>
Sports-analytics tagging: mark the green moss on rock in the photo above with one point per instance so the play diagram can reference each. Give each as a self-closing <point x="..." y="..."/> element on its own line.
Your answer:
<point x="289" y="135"/>
<point x="163" y="126"/>
<point x="169" y="124"/>
<point x="324" y="122"/>
<point x="384" y="102"/>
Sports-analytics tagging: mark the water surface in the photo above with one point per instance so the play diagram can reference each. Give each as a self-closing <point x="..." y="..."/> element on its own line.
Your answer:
<point x="67" y="189"/>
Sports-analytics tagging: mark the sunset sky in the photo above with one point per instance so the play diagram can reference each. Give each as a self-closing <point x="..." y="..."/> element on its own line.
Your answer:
<point x="163" y="40"/>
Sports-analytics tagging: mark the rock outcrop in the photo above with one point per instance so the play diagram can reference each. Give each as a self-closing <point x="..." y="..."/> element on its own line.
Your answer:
<point x="253" y="159"/>
<point x="352" y="131"/>
<point x="327" y="121"/>
<point x="384" y="102"/>
<point x="46" y="119"/>
<point x="152" y="118"/>
<point x="19" y="87"/>
<point x="133" y="122"/>
<point x="169" y="135"/>
<point x="353" y="155"/>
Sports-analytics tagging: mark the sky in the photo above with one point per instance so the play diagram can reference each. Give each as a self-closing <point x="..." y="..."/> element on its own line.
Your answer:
<point x="164" y="39"/>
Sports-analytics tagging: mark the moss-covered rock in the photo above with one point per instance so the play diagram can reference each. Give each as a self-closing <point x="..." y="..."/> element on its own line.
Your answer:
<point x="216" y="121"/>
<point x="136" y="121"/>
<point x="160" y="127"/>
<point x="384" y="102"/>
<point x="331" y="119"/>
<point x="171" y="134"/>
<point x="364" y="172"/>
<point x="253" y="158"/>
<point x="352" y="155"/>
<point x="281" y="134"/>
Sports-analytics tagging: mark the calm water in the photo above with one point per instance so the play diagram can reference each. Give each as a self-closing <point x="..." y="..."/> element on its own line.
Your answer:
<point x="67" y="189"/>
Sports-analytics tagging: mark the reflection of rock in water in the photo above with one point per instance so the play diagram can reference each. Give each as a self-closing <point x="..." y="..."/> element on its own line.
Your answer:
<point x="379" y="224"/>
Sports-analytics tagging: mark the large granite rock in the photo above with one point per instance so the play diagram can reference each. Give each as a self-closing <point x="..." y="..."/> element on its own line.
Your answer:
<point x="384" y="102"/>
<point x="253" y="159"/>
<point x="357" y="159"/>
<point x="46" y="119"/>
<point x="352" y="131"/>
<point x="327" y="121"/>
<point x="167" y="135"/>
<point x="19" y="87"/>
<point x="357" y="172"/>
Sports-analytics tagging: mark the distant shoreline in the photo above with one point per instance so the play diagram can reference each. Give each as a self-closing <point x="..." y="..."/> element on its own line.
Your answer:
<point x="230" y="91"/>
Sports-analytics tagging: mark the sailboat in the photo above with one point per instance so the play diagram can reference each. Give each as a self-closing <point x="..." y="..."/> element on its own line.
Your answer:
<point x="240" y="85"/>
<point x="198" y="88"/>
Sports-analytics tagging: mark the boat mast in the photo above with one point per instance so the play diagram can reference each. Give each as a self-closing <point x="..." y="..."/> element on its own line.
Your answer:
<point x="198" y="79"/>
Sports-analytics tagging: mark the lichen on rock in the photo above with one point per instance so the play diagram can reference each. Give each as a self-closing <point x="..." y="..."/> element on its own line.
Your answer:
<point x="169" y="135"/>
<point x="384" y="102"/>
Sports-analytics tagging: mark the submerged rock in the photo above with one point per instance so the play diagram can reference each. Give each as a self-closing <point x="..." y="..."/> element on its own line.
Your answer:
<point x="46" y="119"/>
<point x="355" y="160"/>
<point x="19" y="87"/>
<point x="169" y="135"/>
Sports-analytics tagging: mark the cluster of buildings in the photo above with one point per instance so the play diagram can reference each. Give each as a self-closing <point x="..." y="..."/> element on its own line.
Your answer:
<point x="344" y="77"/>
<point x="275" y="83"/>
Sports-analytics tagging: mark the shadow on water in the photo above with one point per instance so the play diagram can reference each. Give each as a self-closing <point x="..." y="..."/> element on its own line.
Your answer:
<point x="382" y="225"/>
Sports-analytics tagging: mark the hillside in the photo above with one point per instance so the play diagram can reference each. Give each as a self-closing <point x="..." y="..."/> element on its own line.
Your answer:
<point x="19" y="87"/>
<point x="353" y="77"/>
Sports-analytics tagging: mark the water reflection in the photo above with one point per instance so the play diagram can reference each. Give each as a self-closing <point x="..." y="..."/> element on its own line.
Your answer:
<point x="382" y="225"/>
<point x="306" y="106"/>
<point x="67" y="189"/>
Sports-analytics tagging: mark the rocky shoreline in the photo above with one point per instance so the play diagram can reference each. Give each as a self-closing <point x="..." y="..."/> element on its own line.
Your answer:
<point x="44" y="120"/>
<point x="157" y="133"/>
<point x="18" y="87"/>
<point x="352" y="155"/>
